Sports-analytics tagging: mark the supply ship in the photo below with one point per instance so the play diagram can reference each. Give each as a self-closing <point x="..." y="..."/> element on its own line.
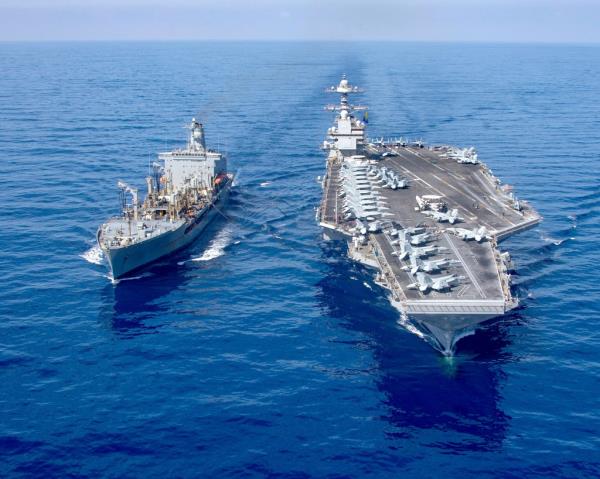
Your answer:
<point x="186" y="189"/>
<point x="428" y="219"/>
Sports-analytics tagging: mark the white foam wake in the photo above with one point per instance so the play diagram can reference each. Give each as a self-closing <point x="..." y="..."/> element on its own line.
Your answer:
<point x="93" y="255"/>
<point x="556" y="242"/>
<point x="264" y="184"/>
<point x="406" y="324"/>
<point x="236" y="178"/>
<point x="217" y="246"/>
<point x="128" y="278"/>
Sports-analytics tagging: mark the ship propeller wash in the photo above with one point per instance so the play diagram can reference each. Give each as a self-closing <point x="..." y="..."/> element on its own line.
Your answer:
<point x="428" y="219"/>
<point x="186" y="189"/>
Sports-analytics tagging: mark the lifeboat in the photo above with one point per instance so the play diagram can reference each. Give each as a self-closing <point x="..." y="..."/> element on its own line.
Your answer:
<point x="220" y="179"/>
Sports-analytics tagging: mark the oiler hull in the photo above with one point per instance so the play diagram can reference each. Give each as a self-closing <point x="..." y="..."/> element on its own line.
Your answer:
<point x="128" y="259"/>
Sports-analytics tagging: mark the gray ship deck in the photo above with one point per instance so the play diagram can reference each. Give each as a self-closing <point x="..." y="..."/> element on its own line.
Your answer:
<point x="470" y="188"/>
<point x="121" y="232"/>
<point x="483" y="288"/>
<point x="331" y="200"/>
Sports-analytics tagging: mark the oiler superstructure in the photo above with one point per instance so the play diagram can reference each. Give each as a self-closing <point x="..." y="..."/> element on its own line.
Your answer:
<point x="427" y="218"/>
<point x="186" y="189"/>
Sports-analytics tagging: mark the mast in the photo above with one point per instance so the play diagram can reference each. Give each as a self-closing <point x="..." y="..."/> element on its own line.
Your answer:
<point x="348" y="133"/>
<point x="197" y="142"/>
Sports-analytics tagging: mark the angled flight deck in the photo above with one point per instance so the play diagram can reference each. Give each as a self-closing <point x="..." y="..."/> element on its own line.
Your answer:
<point x="429" y="219"/>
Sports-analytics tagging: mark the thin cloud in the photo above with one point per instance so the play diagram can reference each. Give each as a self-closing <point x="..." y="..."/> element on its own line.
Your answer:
<point x="403" y="20"/>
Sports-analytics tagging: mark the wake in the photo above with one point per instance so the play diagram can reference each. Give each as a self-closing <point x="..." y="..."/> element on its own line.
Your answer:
<point x="217" y="246"/>
<point x="94" y="255"/>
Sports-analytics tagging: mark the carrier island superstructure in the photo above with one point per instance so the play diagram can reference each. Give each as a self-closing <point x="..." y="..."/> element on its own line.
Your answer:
<point x="186" y="189"/>
<point x="427" y="218"/>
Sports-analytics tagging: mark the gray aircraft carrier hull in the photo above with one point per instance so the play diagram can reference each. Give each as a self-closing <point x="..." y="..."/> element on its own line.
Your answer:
<point x="427" y="219"/>
<point x="482" y="291"/>
<point x="127" y="259"/>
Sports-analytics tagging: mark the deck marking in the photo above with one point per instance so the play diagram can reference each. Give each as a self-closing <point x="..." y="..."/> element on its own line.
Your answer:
<point x="462" y="291"/>
<point x="467" y="193"/>
<point x="441" y="193"/>
<point x="465" y="266"/>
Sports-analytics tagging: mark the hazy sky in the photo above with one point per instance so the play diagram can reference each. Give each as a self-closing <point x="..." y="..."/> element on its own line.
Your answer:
<point x="416" y="20"/>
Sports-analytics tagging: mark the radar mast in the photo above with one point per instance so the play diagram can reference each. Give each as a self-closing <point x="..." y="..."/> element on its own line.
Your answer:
<point x="348" y="133"/>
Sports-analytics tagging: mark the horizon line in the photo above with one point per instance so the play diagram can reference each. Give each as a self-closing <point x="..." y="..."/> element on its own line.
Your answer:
<point x="303" y="40"/>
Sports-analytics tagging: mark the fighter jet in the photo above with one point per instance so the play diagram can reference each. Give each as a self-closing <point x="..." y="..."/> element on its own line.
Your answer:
<point x="390" y="179"/>
<point x="392" y="231"/>
<point x="361" y="207"/>
<point x="425" y="282"/>
<point x="405" y="250"/>
<point x="516" y="205"/>
<point x="455" y="152"/>
<point x="415" y="230"/>
<point x="425" y="251"/>
<point x="374" y="226"/>
<point x="463" y="155"/>
<point x="430" y="202"/>
<point x="361" y="227"/>
<point x="402" y="237"/>
<point x="378" y="173"/>
<point x="467" y="156"/>
<point x="403" y="242"/>
<point x="420" y="239"/>
<point x="468" y="160"/>
<point x="394" y="182"/>
<point x="477" y="234"/>
<point x="428" y="266"/>
<point x="440" y="217"/>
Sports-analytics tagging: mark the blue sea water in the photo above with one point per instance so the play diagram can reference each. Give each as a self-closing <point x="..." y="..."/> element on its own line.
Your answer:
<point x="262" y="351"/>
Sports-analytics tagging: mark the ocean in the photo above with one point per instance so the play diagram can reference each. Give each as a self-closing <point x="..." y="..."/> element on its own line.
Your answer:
<point x="262" y="351"/>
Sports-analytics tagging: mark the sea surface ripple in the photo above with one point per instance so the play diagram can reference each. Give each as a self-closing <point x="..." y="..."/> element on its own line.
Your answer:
<point x="262" y="351"/>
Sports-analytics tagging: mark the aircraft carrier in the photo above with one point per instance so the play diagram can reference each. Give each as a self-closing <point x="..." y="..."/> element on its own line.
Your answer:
<point x="188" y="187"/>
<point x="427" y="218"/>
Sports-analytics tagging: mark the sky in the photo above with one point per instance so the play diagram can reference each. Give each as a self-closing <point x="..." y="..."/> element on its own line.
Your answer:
<point x="555" y="21"/>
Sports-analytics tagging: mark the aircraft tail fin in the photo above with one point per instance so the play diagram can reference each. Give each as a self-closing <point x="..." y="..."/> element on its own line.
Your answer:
<point x="414" y="262"/>
<point x="481" y="233"/>
<point x="425" y="281"/>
